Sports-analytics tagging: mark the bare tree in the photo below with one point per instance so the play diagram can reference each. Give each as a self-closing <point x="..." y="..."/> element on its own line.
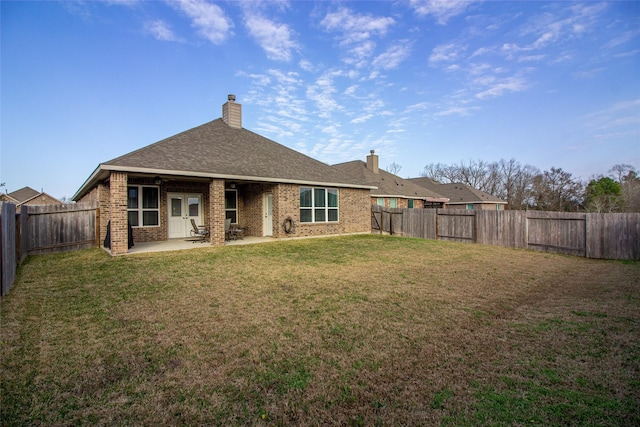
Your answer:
<point x="506" y="179"/>
<point x="441" y="173"/>
<point x="394" y="168"/>
<point x="516" y="183"/>
<point x="629" y="179"/>
<point x="556" y="190"/>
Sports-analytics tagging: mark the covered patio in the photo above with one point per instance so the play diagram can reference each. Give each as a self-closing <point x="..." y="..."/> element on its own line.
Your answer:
<point x="184" y="244"/>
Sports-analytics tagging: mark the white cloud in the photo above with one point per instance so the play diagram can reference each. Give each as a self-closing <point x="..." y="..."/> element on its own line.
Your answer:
<point x="511" y="84"/>
<point x="362" y="118"/>
<point x="623" y="38"/>
<point x="355" y="33"/>
<point x="288" y="79"/>
<point x="161" y="31"/>
<point x="355" y="27"/>
<point x="321" y="92"/>
<point x="532" y="58"/>
<point x="446" y="52"/>
<point x="555" y="27"/>
<point x="274" y="38"/>
<point x="360" y="53"/>
<point x="460" y="111"/>
<point x="393" y="56"/>
<point x="306" y="65"/>
<point x="331" y="129"/>
<point x="476" y="69"/>
<point x="210" y="20"/>
<point x="442" y="10"/>
<point x="481" y="51"/>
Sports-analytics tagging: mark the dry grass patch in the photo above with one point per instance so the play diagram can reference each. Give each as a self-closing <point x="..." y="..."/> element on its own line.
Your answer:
<point x="362" y="330"/>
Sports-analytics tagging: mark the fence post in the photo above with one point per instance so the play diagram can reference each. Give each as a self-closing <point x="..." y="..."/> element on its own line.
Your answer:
<point x="7" y="246"/>
<point x="97" y="226"/>
<point x="526" y="229"/>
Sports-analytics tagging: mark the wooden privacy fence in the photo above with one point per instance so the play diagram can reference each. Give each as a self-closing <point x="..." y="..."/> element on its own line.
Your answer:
<point x="35" y="230"/>
<point x="591" y="235"/>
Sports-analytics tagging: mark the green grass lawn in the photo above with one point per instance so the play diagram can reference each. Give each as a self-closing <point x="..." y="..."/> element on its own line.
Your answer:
<point x="361" y="330"/>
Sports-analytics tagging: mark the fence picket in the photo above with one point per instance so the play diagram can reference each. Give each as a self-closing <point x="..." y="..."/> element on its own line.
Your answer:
<point x="604" y="236"/>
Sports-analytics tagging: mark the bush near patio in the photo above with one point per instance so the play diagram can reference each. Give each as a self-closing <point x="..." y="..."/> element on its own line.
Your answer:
<point x="359" y="330"/>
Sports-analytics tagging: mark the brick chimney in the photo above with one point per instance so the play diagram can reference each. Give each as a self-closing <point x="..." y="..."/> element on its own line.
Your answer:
<point x="232" y="113"/>
<point x="372" y="162"/>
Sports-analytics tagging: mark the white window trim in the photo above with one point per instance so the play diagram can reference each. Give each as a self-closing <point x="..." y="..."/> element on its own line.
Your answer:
<point x="140" y="209"/>
<point x="231" y="210"/>
<point x="326" y="208"/>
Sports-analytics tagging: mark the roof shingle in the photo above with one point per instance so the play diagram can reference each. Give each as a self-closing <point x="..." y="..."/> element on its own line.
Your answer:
<point x="388" y="184"/>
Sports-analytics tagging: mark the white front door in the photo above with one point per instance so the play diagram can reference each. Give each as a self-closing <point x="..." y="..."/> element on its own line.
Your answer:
<point x="182" y="209"/>
<point x="267" y="223"/>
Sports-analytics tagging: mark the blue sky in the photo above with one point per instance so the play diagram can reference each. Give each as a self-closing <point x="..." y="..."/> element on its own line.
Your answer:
<point x="547" y="83"/>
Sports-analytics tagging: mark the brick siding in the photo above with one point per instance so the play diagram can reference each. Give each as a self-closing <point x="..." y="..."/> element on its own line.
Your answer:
<point x="118" y="211"/>
<point x="216" y="211"/>
<point x="354" y="212"/>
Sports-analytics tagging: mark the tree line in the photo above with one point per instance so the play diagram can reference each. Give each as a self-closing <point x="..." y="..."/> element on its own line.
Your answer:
<point x="527" y="187"/>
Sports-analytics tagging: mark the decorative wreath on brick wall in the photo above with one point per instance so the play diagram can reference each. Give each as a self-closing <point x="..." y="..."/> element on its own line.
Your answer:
<point x="288" y="225"/>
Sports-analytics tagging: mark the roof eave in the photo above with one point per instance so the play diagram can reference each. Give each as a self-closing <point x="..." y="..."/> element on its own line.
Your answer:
<point x="427" y="198"/>
<point x="102" y="168"/>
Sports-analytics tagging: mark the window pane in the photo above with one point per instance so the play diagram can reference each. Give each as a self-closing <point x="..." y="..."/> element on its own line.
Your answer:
<point x="380" y="201"/>
<point x="133" y="218"/>
<point x="305" y="197"/>
<point x="231" y="215"/>
<point x="319" y="198"/>
<point x="305" y="215"/>
<point x="150" y="218"/>
<point x="149" y="198"/>
<point x="132" y="197"/>
<point x="393" y="202"/>
<point x="176" y="207"/>
<point x="194" y="206"/>
<point x="410" y="203"/>
<point x="332" y="193"/>
<point x="230" y="199"/>
<point x="320" y="215"/>
<point x="333" y="215"/>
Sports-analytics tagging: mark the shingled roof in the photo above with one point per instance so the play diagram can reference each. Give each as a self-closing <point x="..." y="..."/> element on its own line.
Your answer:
<point x="24" y="194"/>
<point x="217" y="150"/>
<point x="389" y="185"/>
<point x="457" y="192"/>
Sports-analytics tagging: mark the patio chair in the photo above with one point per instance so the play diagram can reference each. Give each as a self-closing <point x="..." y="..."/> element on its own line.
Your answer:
<point x="199" y="233"/>
<point x="227" y="229"/>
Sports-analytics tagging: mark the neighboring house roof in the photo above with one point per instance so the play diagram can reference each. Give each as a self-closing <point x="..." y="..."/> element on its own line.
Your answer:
<point x="8" y="198"/>
<point x="389" y="185"/>
<point x="218" y="150"/>
<point x="24" y="194"/>
<point x="458" y="193"/>
<point x="27" y="194"/>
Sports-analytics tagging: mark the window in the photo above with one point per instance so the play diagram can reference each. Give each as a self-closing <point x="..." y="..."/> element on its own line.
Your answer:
<point x="497" y="207"/>
<point x="318" y="204"/>
<point x="231" y="205"/>
<point x="380" y="201"/>
<point x="393" y="202"/>
<point x="143" y="206"/>
<point x="470" y="206"/>
<point x="410" y="203"/>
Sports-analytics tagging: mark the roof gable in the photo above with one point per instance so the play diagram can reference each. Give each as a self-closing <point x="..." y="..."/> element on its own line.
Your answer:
<point x="24" y="194"/>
